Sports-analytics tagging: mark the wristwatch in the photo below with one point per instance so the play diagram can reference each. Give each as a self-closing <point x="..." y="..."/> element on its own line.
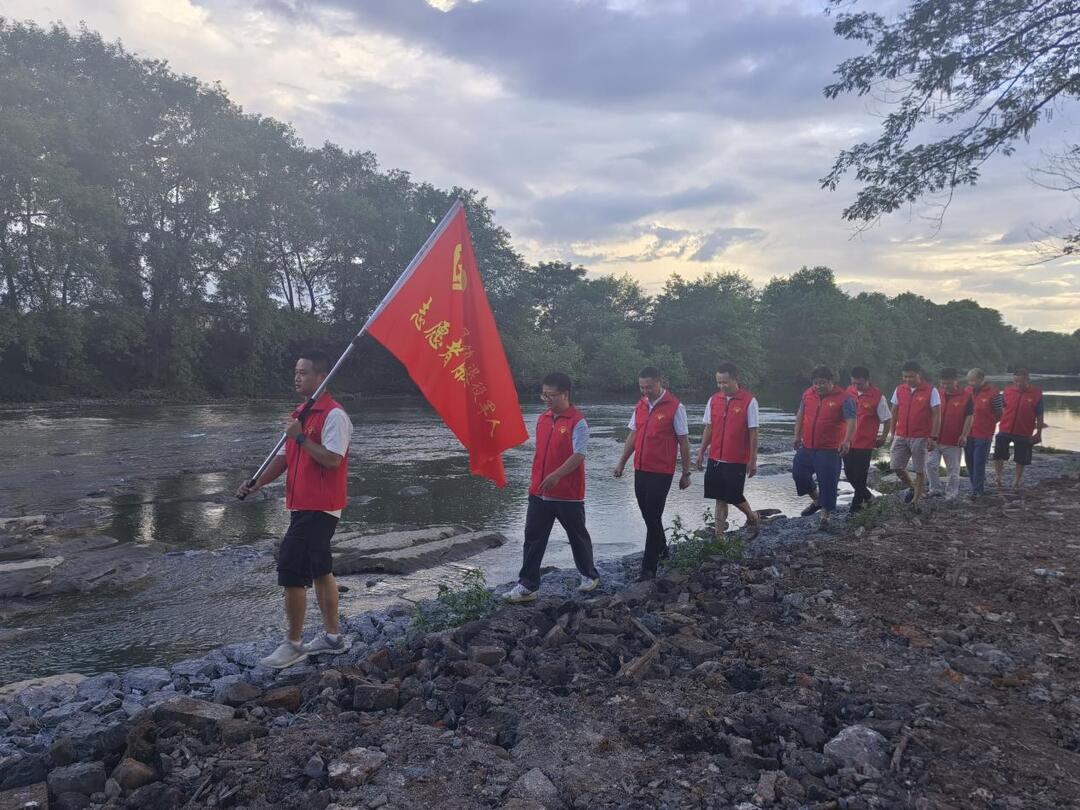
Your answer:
<point x="301" y="438"/>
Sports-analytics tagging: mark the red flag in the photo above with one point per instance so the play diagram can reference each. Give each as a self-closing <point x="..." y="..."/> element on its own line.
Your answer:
<point x="437" y="322"/>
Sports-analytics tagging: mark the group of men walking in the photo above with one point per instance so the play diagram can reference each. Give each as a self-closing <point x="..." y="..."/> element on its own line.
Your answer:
<point x="835" y="427"/>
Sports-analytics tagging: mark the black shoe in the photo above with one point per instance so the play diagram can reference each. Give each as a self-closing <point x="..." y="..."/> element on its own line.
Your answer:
<point x="752" y="529"/>
<point x="855" y="508"/>
<point x="646" y="576"/>
<point x="909" y="496"/>
<point x="808" y="511"/>
<point x="665" y="552"/>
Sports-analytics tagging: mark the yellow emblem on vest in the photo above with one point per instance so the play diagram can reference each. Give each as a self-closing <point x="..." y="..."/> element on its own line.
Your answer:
<point x="562" y="429"/>
<point x="457" y="277"/>
<point x="659" y="417"/>
<point x="736" y="409"/>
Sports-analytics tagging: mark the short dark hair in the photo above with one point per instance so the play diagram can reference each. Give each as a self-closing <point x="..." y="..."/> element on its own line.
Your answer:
<point x="649" y="373"/>
<point x="948" y="373"/>
<point x="860" y="372"/>
<point x="911" y="365"/>
<point x="822" y="373"/>
<point x="728" y="368"/>
<point x="559" y="381"/>
<point x="320" y="360"/>
<point x="1021" y="370"/>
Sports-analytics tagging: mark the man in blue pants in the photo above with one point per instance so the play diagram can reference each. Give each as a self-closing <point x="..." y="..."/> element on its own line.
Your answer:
<point x="824" y="426"/>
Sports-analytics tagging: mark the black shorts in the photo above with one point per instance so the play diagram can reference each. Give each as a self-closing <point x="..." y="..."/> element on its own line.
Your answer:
<point x="725" y="482"/>
<point x="304" y="554"/>
<point x="1022" y="448"/>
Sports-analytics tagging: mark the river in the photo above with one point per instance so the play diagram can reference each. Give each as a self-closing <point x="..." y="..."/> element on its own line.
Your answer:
<point x="212" y="579"/>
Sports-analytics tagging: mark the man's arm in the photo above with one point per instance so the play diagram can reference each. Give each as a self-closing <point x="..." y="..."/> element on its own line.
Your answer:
<point x="797" y="442"/>
<point x="845" y="445"/>
<point x="627" y="451"/>
<point x="886" y="427"/>
<point x="706" y="437"/>
<point x="1040" y="422"/>
<point x="276" y="468"/>
<point x="751" y="468"/>
<point x="935" y="431"/>
<point x="321" y="455"/>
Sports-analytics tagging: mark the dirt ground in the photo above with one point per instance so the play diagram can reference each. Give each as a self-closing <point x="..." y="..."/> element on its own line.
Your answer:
<point x="928" y="661"/>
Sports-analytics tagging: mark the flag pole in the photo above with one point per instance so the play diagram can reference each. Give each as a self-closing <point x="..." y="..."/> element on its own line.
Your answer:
<point x="419" y="257"/>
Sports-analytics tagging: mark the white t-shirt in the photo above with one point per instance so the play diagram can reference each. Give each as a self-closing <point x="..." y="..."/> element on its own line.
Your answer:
<point x="678" y="423"/>
<point x="884" y="412"/>
<point x="751" y="413"/>
<point x="336" y="436"/>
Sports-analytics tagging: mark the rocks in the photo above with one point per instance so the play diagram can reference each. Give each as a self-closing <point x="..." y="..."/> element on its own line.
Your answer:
<point x="28" y="797"/>
<point x="315" y="767"/>
<point x="407" y="552"/>
<point x="284" y="697"/>
<point x="131" y="774"/>
<point x="414" y="491"/>
<point x="199" y="715"/>
<point x="489" y="656"/>
<point x="47" y="691"/>
<point x="373" y="697"/>
<point x="147" y="679"/>
<point x="21" y="769"/>
<point x="695" y="649"/>
<point x="233" y="732"/>
<point x="534" y="785"/>
<point x="354" y="768"/>
<point x="51" y="566"/>
<point x="859" y="747"/>
<point x="237" y="693"/>
<point x="82" y="778"/>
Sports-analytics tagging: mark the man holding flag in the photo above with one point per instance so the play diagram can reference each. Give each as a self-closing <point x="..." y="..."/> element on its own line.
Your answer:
<point x="436" y="320"/>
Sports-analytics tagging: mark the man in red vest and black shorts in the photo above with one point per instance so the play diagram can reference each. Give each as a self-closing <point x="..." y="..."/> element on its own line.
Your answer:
<point x="988" y="404"/>
<point x="731" y="441"/>
<point x="957" y="410"/>
<point x="916" y="424"/>
<point x="824" y="425"/>
<point x="1021" y="426"/>
<point x="658" y="430"/>
<point x="872" y="414"/>
<point x="316" y="457"/>
<point x="556" y="491"/>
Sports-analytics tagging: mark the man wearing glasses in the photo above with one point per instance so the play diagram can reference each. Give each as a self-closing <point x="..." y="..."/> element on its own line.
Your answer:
<point x="557" y="491"/>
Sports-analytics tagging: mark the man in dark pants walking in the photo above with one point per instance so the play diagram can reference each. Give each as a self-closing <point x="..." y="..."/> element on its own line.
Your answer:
<point x="872" y="414"/>
<point x="658" y="429"/>
<point x="824" y="425"/>
<point x="557" y="491"/>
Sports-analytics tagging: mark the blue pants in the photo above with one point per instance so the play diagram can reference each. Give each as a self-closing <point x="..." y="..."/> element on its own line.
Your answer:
<point x="823" y="465"/>
<point x="976" y="452"/>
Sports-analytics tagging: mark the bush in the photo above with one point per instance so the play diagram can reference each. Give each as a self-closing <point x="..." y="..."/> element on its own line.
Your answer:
<point x="690" y="548"/>
<point x="454" y="608"/>
<point x="876" y="512"/>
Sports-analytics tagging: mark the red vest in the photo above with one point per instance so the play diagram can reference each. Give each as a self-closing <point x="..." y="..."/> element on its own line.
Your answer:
<point x="308" y="484"/>
<point x="984" y="422"/>
<point x="953" y="414"/>
<point x="730" y="440"/>
<point x="823" y="426"/>
<point x="655" y="443"/>
<point x="554" y="445"/>
<point x="1019" y="418"/>
<point x="867" y="422"/>
<point x="914" y="414"/>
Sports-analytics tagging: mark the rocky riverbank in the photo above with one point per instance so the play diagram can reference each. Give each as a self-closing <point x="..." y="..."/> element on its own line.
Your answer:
<point x="926" y="661"/>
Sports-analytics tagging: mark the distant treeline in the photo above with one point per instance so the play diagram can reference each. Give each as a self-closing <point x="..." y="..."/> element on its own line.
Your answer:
<point x="154" y="237"/>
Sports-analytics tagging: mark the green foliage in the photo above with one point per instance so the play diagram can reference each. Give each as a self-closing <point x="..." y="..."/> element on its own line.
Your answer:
<point x="876" y="512"/>
<point x="965" y="80"/>
<point x="690" y="548"/>
<point x="454" y="608"/>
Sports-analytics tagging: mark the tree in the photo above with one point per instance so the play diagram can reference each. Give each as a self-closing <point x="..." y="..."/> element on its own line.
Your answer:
<point x="966" y="80"/>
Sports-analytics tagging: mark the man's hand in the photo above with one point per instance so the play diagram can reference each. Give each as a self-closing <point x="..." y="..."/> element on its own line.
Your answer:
<point x="751" y="468"/>
<point x="881" y="442"/>
<point x="549" y="482"/>
<point x="1037" y="438"/>
<point x="245" y="489"/>
<point x="845" y="445"/>
<point x="796" y="444"/>
<point x="293" y="428"/>
<point x="701" y="459"/>
<point x="962" y="440"/>
<point x="684" y="480"/>
<point x="618" y="471"/>
<point x="931" y="443"/>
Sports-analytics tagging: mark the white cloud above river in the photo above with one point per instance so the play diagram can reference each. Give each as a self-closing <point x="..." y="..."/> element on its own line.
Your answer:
<point x="633" y="136"/>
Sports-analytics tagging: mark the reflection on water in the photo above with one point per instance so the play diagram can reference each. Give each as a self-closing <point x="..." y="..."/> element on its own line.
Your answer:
<point x="213" y="582"/>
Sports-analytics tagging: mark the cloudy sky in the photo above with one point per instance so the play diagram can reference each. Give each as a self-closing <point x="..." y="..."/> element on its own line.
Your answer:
<point x="639" y="136"/>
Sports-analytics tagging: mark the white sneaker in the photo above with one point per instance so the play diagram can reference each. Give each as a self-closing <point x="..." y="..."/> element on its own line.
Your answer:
<point x="287" y="654"/>
<point x="588" y="584"/>
<point x="322" y="645"/>
<point x="518" y="594"/>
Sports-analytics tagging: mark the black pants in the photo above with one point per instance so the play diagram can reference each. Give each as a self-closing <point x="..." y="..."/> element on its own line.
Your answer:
<point x="652" y="490"/>
<point x="856" y="468"/>
<point x="539" y="521"/>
